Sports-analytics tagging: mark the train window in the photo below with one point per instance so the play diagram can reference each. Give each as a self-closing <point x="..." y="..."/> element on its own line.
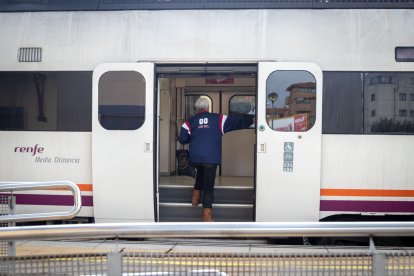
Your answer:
<point x="342" y="103"/>
<point x="368" y="103"/>
<point x="46" y="101"/>
<point x="190" y="101"/>
<point x="121" y="100"/>
<point x="291" y="101"/>
<point x="404" y="54"/>
<point x="391" y="103"/>
<point x="242" y="104"/>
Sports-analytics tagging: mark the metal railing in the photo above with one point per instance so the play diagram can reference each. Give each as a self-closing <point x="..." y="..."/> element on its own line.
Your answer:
<point x="24" y="186"/>
<point x="208" y="264"/>
<point x="210" y="230"/>
<point x="373" y="262"/>
<point x="193" y="263"/>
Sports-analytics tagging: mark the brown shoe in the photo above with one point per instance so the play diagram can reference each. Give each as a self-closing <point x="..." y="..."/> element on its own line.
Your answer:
<point x="196" y="198"/>
<point x="207" y="214"/>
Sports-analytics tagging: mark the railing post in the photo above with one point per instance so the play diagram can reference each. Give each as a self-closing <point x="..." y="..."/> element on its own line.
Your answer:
<point x="379" y="264"/>
<point x="114" y="264"/>
<point x="379" y="261"/>
<point x="12" y="244"/>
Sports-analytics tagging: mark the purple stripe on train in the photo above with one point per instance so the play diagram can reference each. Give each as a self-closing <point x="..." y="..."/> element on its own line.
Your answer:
<point x="367" y="206"/>
<point x="62" y="200"/>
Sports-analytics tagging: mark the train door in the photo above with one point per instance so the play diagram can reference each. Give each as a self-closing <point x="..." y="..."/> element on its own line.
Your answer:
<point x="289" y="122"/>
<point x="230" y="89"/>
<point x="122" y="142"/>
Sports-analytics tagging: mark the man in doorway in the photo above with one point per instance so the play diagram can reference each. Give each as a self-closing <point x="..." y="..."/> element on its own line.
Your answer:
<point x="203" y="132"/>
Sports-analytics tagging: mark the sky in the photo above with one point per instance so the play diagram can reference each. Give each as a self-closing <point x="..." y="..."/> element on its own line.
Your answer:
<point x="278" y="81"/>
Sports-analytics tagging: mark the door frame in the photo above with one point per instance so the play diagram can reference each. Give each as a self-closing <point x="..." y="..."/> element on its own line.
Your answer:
<point x="167" y="70"/>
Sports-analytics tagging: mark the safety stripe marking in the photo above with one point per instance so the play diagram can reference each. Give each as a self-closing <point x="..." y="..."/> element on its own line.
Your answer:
<point x="367" y="192"/>
<point x="58" y="200"/>
<point x="367" y="206"/>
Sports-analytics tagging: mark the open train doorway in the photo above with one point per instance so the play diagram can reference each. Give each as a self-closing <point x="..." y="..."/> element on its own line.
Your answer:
<point x="231" y="90"/>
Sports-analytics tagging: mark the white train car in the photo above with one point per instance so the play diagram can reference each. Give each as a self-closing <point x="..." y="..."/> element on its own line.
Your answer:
<point x="97" y="97"/>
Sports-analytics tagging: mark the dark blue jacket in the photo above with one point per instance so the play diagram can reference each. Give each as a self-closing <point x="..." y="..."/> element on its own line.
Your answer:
<point x="204" y="131"/>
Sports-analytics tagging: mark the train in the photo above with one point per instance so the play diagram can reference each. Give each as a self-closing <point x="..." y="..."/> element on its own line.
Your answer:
<point x="97" y="98"/>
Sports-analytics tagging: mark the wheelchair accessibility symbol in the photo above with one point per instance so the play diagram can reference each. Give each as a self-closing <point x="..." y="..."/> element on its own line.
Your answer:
<point x="289" y="146"/>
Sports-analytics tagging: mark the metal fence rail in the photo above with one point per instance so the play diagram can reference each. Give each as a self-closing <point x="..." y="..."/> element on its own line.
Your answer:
<point x="142" y="263"/>
<point x="74" y="264"/>
<point x="248" y="264"/>
<point x="208" y="230"/>
<point x="24" y="186"/>
<point x="399" y="263"/>
<point x="372" y="262"/>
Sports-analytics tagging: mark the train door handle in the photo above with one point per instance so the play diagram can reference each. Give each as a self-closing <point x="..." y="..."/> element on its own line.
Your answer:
<point x="262" y="148"/>
<point x="148" y="147"/>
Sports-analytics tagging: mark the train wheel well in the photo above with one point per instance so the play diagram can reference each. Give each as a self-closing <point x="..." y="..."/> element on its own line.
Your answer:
<point x="363" y="241"/>
<point x="359" y="217"/>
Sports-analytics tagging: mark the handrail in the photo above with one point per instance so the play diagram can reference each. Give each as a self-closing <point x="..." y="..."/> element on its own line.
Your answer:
<point x="24" y="186"/>
<point x="208" y="230"/>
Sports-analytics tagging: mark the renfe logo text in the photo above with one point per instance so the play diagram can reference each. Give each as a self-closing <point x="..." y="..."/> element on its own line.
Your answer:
<point x="33" y="150"/>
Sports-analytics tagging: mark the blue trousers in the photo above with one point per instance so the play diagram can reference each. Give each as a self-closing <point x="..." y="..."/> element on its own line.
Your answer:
<point x="206" y="175"/>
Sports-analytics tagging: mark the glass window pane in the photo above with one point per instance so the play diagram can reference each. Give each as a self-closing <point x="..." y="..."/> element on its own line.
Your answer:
<point x="291" y="100"/>
<point x="404" y="54"/>
<point x="391" y="102"/>
<point x="46" y="101"/>
<point x="75" y="101"/>
<point x="190" y="101"/>
<point x="342" y="103"/>
<point x="242" y="104"/>
<point x="121" y="100"/>
<point x="402" y="97"/>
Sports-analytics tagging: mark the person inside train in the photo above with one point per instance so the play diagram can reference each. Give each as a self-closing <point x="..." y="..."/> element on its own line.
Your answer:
<point x="203" y="132"/>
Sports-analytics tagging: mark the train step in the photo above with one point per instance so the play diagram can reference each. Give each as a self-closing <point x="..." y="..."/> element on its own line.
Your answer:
<point x="231" y="203"/>
<point x="184" y="212"/>
<point x="222" y="194"/>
